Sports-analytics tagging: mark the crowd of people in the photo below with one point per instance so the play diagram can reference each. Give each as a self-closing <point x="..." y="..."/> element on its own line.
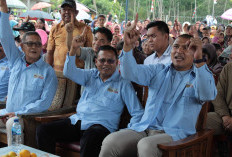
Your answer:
<point x="183" y="66"/>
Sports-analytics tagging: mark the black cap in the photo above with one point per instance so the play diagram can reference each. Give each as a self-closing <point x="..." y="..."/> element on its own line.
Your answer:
<point x="70" y="3"/>
<point x="26" y="26"/>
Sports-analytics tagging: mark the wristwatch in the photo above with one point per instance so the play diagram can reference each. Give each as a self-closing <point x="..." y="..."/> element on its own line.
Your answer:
<point x="199" y="60"/>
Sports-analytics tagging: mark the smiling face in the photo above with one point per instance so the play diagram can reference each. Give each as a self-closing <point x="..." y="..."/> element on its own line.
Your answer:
<point x="32" y="48"/>
<point x="106" y="63"/>
<point x="66" y="12"/>
<point x="99" y="39"/>
<point x="182" y="58"/>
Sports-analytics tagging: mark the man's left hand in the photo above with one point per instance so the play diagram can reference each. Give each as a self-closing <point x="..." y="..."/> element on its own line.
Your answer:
<point x="10" y="115"/>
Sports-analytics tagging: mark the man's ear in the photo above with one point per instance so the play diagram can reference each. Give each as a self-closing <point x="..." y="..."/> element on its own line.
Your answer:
<point x="22" y="46"/>
<point x="60" y="11"/>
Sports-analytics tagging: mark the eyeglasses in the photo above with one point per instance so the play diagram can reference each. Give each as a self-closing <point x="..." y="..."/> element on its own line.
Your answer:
<point x="109" y="61"/>
<point x="30" y="44"/>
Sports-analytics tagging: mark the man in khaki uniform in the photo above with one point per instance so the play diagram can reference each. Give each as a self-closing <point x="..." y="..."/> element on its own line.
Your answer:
<point x="57" y="50"/>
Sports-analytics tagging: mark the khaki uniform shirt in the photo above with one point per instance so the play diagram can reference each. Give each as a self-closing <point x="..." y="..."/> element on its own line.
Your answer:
<point x="57" y="42"/>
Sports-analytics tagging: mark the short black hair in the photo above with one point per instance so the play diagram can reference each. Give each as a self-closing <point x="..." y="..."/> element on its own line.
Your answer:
<point x="161" y="26"/>
<point x="109" y="48"/>
<point x="101" y="15"/>
<point x="28" y="34"/>
<point x="185" y="36"/>
<point x="106" y="32"/>
<point x="120" y="45"/>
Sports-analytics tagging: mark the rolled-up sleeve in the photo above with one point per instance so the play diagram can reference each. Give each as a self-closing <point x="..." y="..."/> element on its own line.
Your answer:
<point x="204" y="84"/>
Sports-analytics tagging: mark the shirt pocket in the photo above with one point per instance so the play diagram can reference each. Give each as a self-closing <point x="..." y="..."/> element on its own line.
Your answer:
<point x="111" y="97"/>
<point x="36" y="85"/>
<point x="189" y="92"/>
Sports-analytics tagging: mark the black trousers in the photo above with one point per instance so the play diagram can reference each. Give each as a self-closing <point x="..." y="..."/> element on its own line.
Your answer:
<point x="63" y="131"/>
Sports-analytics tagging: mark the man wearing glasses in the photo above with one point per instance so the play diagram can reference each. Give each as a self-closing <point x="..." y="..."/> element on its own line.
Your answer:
<point x="99" y="108"/>
<point x="32" y="83"/>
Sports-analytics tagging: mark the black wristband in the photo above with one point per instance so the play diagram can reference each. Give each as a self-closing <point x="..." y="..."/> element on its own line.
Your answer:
<point x="199" y="60"/>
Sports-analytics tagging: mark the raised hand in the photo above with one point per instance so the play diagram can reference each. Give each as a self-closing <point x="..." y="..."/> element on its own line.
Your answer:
<point x="70" y="26"/>
<point x="77" y="42"/>
<point x="80" y="39"/>
<point x="131" y="35"/>
<point x="195" y="46"/>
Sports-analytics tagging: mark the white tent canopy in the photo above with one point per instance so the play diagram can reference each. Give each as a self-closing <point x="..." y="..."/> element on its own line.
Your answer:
<point x="15" y="4"/>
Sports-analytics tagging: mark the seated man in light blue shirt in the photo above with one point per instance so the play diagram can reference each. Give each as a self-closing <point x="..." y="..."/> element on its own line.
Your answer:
<point x="4" y="75"/>
<point x="32" y="83"/>
<point x="176" y="94"/>
<point x="99" y="108"/>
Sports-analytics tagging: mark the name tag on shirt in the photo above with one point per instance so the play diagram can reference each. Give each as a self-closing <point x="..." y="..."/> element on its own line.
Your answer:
<point x="188" y="85"/>
<point x="112" y="90"/>
<point x="4" y="68"/>
<point x="38" y="76"/>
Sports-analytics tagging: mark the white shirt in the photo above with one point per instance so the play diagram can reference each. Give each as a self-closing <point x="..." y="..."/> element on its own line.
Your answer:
<point x="164" y="59"/>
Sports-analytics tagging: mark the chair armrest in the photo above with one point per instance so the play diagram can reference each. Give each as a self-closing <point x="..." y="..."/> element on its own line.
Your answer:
<point x="53" y="117"/>
<point x="63" y="110"/>
<point x="188" y="141"/>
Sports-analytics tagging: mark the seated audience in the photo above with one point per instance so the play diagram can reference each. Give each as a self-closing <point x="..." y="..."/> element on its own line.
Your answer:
<point x="174" y="90"/>
<point x="100" y="106"/>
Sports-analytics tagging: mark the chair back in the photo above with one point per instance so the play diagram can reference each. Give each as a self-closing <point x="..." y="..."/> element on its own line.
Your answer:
<point x="202" y="117"/>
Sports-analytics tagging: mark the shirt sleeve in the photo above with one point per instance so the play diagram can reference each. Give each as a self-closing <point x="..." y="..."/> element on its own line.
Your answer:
<point x="7" y="39"/>
<point x="51" y="40"/>
<point x="80" y="76"/>
<point x="130" y="70"/>
<point x="89" y="36"/>
<point x="133" y="105"/>
<point x="49" y="91"/>
<point x="204" y="84"/>
<point x="220" y="103"/>
<point x="84" y="53"/>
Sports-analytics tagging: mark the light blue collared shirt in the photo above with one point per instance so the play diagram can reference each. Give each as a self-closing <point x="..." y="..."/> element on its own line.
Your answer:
<point x="178" y="115"/>
<point x="164" y="59"/>
<point x="31" y="89"/>
<point x="102" y="102"/>
<point x="4" y="78"/>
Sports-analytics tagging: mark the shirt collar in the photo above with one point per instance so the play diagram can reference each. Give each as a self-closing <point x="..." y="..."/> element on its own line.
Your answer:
<point x="166" y="52"/>
<point x="191" y="71"/>
<point x="38" y="63"/>
<point x="114" y="77"/>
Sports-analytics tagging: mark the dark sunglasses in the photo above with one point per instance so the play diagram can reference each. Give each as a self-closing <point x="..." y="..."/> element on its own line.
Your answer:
<point x="109" y="61"/>
<point x="30" y="44"/>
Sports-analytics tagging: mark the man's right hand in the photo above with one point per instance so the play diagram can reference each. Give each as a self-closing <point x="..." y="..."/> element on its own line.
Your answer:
<point x="77" y="42"/>
<point x="3" y="6"/>
<point x="70" y="26"/>
<point x="131" y="35"/>
<point x="227" y="122"/>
